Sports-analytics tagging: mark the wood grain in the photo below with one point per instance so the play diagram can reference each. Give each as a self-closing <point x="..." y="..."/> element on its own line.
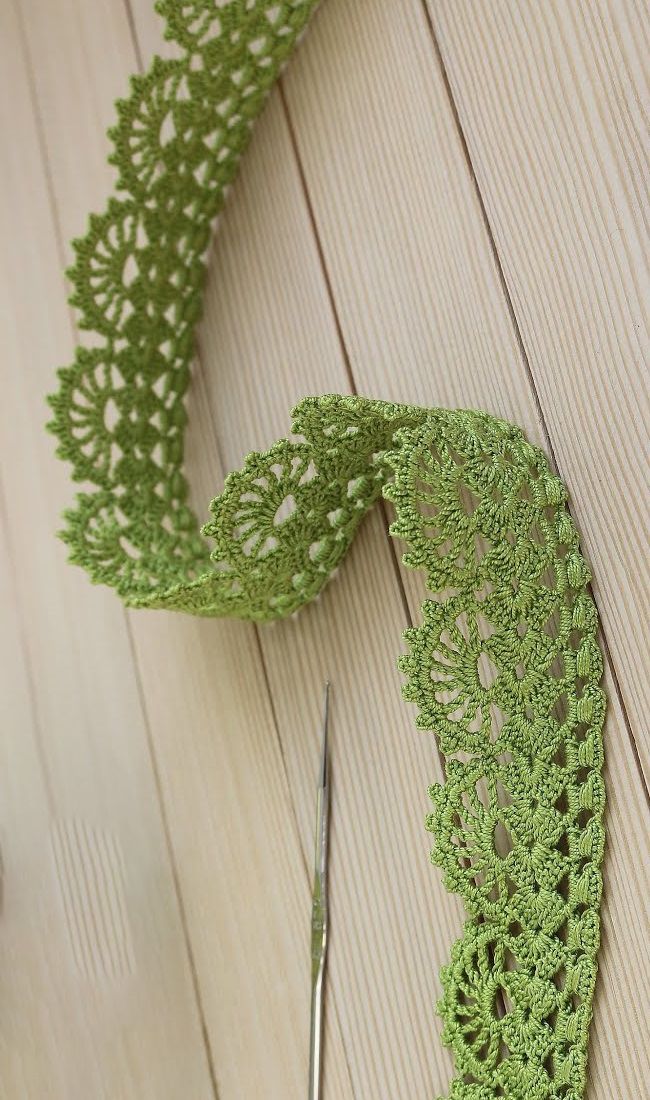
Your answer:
<point x="454" y="257"/>
<point x="356" y="252"/>
<point x="90" y="871"/>
<point x="561" y="162"/>
<point x="301" y="344"/>
<point x="74" y="736"/>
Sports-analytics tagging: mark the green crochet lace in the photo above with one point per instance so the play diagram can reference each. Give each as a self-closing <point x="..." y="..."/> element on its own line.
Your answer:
<point x="505" y="666"/>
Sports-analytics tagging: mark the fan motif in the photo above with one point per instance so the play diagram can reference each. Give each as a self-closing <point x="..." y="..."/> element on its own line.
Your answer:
<point x="504" y="667"/>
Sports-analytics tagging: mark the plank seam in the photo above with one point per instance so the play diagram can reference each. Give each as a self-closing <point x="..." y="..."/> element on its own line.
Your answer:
<point x="393" y="548"/>
<point x="317" y="240"/>
<point x="172" y="860"/>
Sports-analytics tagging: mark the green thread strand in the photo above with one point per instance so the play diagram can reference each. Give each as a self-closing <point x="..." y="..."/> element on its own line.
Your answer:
<point x="505" y="666"/>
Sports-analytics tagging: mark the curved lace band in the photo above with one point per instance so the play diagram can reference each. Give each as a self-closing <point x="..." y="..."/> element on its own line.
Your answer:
<point x="505" y="666"/>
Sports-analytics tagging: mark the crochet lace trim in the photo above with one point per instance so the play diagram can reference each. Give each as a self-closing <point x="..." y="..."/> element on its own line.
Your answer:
<point x="505" y="666"/>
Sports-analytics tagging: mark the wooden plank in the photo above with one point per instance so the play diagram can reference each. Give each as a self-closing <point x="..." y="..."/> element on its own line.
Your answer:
<point x="260" y="352"/>
<point x="243" y="874"/>
<point x="256" y="986"/>
<point x="424" y="318"/>
<point x="552" y="99"/>
<point x="31" y="918"/>
<point x="97" y="989"/>
<point x="413" y="276"/>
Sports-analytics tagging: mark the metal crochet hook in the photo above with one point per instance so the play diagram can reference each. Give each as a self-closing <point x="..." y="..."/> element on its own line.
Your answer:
<point x="319" y="915"/>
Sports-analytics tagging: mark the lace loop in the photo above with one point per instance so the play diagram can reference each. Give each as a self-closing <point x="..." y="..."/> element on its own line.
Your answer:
<point x="505" y="664"/>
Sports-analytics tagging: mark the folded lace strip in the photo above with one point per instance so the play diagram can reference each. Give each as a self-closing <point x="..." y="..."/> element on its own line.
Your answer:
<point x="505" y="666"/>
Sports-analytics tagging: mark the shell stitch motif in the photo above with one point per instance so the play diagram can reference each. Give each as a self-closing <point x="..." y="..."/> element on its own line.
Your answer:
<point x="504" y="666"/>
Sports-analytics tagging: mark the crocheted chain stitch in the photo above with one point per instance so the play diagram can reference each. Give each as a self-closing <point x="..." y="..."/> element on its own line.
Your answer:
<point x="505" y="666"/>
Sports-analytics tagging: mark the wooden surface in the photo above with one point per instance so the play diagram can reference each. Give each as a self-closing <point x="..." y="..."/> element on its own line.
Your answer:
<point x="444" y="203"/>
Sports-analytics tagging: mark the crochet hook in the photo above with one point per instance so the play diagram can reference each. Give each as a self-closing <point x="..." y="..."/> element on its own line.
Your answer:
<point x="319" y="913"/>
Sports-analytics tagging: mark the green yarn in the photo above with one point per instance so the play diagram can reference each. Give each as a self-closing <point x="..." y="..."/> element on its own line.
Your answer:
<point x="505" y="666"/>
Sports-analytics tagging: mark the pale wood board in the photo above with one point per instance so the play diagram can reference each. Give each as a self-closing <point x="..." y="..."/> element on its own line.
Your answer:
<point x="369" y="244"/>
<point x="97" y="991"/>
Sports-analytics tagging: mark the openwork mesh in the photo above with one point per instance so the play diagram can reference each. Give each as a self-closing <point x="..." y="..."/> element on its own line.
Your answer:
<point x="505" y="666"/>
